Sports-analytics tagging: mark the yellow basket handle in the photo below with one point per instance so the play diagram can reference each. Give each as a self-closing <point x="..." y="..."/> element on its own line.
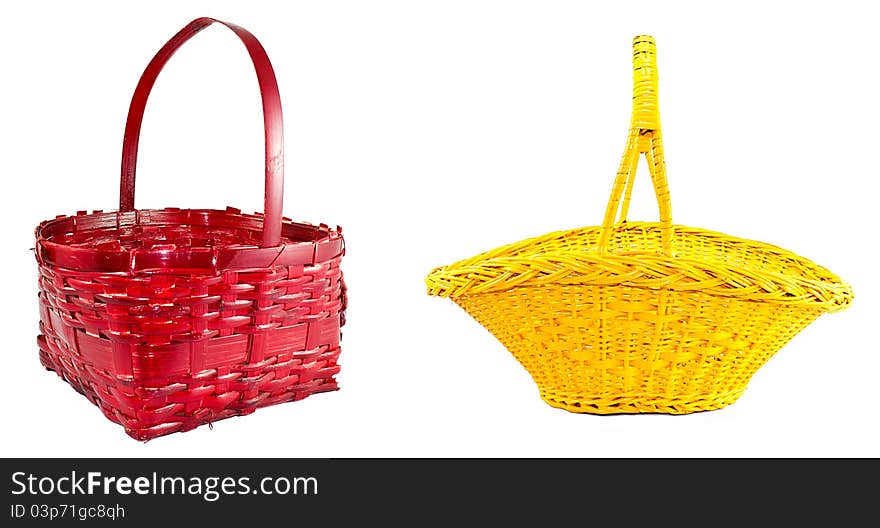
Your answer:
<point x="644" y="138"/>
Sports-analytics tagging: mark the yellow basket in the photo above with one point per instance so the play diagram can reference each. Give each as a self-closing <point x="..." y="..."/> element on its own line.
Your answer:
<point x="641" y="317"/>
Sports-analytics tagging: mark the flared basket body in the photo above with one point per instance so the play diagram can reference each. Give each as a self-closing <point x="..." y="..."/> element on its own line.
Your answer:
<point x="623" y="348"/>
<point x="633" y="331"/>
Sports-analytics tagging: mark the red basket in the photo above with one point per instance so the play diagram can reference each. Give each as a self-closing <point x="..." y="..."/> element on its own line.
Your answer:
<point x="168" y="319"/>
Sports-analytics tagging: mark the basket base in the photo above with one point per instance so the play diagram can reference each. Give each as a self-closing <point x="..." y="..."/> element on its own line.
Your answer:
<point x="164" y="414"/>
<point x="636" y="405"/>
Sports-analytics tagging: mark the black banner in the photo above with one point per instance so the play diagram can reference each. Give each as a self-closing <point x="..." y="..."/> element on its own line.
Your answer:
<point x="249" y="492"/>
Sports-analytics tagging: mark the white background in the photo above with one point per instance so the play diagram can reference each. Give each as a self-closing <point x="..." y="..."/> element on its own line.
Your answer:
<point x="435" y="130"/>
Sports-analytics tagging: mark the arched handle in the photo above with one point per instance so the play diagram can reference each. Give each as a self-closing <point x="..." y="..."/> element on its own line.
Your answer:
<point x="644" y="138"/>
<point x="272" y="122"/>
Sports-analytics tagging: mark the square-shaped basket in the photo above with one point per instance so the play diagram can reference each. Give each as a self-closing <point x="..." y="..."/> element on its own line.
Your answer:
<point x="641" y="317"/>
<point x="168" y="319"/>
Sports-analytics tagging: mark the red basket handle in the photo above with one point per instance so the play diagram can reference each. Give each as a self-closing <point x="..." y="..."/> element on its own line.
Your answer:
<point x="272" y="123"/>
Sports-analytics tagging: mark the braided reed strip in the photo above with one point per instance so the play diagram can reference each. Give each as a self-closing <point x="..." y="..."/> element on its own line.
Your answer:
<point x="541" y="261"/>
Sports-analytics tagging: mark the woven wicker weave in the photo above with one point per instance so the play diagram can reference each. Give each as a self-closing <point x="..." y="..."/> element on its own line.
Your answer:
<point x="634" y="317"/>
<point x="172" y="318"/>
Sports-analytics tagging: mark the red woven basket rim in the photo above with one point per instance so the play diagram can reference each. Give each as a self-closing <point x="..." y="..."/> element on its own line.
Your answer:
<point x="301" y="243"/>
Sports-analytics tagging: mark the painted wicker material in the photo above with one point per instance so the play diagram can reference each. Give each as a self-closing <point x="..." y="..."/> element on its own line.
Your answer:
<point x="169" y="319"/>
<point x="637" y="317"/>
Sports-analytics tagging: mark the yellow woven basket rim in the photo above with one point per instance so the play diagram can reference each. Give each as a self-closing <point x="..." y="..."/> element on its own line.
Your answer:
<point x="530" y="263"/>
